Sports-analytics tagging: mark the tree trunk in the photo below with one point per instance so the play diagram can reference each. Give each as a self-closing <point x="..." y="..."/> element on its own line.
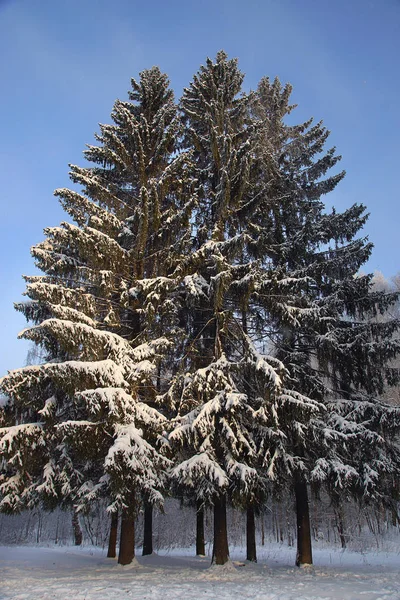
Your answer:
<point x="304" y="551"/>
<point x="57" y="527"/>
<point x="39" y="526"/>
<point x="148" y="529"/>
<point x="76" y="527"/>
<point x="112" y="540"/>
<point x="127" y="539"/>
<point x="262" y="531"/>
<point x="340" y="526"/>
<point x="200" y="544"/>
<point x="395" y="517"/>
<point x="220" y="554"/>
<point x="251" y="535"/>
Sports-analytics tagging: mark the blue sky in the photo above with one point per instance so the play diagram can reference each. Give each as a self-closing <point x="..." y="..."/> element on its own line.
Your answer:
<point x="64" y="63"/>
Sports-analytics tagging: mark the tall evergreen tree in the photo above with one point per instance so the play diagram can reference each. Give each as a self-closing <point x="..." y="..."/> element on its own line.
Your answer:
<point x="226" y="392"/>
<point x="216" y="410"/>
<point x="316" y="307"/>
<point x="82" y="424"/>
<point x="280" y="277"/>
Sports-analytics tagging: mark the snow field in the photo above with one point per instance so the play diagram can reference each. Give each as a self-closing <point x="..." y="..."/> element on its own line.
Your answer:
<point x="41" y="573"/>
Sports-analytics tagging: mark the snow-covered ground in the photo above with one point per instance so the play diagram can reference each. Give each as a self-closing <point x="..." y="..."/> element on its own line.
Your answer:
<point x="33" y="573"/>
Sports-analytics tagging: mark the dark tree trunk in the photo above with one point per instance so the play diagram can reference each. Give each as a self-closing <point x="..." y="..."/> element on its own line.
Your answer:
<point x="112" y="540"/>
<point x="262" y="531"/>
<point x="251" y="535"/>
<point x="251" y="551"/>
<point x="127" y="539"/>
<point x="220" y="554"/>
<point x="148" y="529"/>
<point x="340" y="526"/>
<point x="395" y="517"/>
<point x="200" y="544"/>
<point x="304" y="551"/>
<point x="77" y="528"/>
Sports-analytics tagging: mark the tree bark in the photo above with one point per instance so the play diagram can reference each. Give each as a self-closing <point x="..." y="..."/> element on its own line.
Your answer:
<point x="112" y="540"/>
<point x="127" y="539"/>
<point x="262" y="531"/>
<point x="251" y="535"/>
<point x="304" y="551"/>
<point x="340" y="526"/>
<point x="220" y="554"/>
<point x="200" y="543"/>
<point x="148" y="529"/>
<point x="78" y="536"/>
<point x="395" y="517"/>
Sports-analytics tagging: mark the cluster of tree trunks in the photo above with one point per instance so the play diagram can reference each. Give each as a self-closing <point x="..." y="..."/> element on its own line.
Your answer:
<point x="220" y="554"/>
<point x="127" y="536"/>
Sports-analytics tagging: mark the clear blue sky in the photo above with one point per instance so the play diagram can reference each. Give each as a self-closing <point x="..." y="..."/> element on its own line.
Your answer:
<point x="64" y="63"/>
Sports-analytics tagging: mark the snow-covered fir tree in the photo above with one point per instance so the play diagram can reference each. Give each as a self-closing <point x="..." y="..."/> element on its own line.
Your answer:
<point x="279" y="280"/>
<point x="229" y="392"/>
<point x="316" y="308"/>
<point x="212" y="433"/>
<point x="83" y="424"/>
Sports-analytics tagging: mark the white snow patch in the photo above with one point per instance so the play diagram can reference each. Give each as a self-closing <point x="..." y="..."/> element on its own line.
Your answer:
<point x="38" y="573"/>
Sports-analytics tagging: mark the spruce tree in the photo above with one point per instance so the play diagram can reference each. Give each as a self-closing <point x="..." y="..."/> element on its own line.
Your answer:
<point x="317" y="307"/>
<point x="280" y="280"/>
<point x="211" y="410"/>
<point x="82" y="425"/>
<point x="227" y="392"/>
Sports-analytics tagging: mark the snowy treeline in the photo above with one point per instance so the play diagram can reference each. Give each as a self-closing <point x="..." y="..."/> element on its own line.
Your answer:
<point x="204" y="328"/>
